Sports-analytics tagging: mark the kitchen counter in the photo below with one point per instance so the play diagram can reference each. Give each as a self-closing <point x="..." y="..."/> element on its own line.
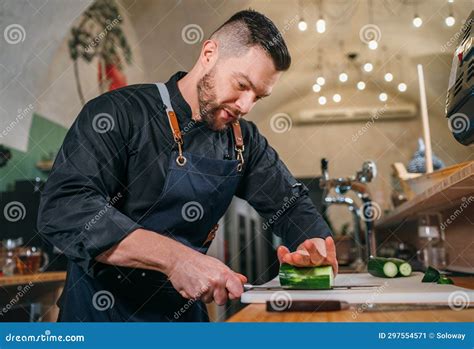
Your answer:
<point x="51" y="276"/>
<point x="24" y="290"/>
<point x="257" y="313"/>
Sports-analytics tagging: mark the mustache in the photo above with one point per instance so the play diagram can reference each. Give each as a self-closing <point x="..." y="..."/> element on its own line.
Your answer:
<point x="235" y="112"/>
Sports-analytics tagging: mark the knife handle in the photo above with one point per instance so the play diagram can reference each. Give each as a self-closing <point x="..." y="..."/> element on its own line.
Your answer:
<point x="307" y="305"/>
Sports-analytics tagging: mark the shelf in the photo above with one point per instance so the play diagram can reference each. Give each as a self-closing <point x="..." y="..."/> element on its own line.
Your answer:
<point x="50" y="276"/>
<point x="444" y="194"/>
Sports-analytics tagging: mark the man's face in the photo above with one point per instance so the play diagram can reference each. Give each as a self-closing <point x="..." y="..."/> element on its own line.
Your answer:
<point x="233" y="86"/>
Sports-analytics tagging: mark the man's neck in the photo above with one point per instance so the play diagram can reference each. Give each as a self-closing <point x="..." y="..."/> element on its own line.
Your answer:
<point x="188" y="88"/>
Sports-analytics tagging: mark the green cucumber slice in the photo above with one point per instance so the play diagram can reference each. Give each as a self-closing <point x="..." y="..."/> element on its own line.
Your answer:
<point x="444" y="280"/>
<point x="308" y="278"/>
<point x="431" y="275"/>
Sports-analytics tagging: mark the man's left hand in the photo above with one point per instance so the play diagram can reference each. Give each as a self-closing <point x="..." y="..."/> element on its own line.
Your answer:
<point x="310" y="253"/>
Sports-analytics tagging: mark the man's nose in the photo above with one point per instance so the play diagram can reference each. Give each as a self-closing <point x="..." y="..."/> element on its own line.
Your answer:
<point x="245" y="103"/>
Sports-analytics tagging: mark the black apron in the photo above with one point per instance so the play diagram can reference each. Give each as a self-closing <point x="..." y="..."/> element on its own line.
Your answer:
<point x="196" y="194"/>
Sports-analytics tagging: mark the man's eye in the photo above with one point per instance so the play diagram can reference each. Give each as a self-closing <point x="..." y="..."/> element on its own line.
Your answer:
<point x="242" y="86"/>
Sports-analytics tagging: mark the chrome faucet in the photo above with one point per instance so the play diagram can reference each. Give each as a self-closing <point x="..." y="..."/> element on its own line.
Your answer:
<point x="357" y="184"/>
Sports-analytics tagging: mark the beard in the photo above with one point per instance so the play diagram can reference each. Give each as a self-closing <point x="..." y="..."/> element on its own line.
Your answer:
<point x="208" y="105"/>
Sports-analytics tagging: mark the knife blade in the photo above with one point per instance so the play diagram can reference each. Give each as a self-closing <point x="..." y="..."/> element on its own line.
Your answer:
<point x="250" y="287"/>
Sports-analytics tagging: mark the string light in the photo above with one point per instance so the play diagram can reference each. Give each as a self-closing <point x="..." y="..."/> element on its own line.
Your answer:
<point x="343" y="77"/>
<point x="337" y="98"/>
<point x="402" y="87"/>
<point x="368" y="67"/>
<point x="320" y="81"/>
<point x="320" y="23"/>
<point x="322" y="100"/>
<point x="383" y="97"/>
<point x="361" y="85"/>
<point x="316" y="88"/>
<point x="417" y="21"/>
<point x="450" y="20"/>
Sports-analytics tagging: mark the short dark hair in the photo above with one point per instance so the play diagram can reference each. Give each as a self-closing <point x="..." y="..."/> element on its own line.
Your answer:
<point x="250" y="28"/>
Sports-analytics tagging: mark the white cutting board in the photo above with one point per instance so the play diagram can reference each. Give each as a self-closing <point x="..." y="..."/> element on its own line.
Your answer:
<point x="397" y="290"/>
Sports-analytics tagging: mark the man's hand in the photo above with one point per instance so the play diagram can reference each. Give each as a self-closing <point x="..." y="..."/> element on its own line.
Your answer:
<point x="312" y="252"/>
<point x="198" y="276"/>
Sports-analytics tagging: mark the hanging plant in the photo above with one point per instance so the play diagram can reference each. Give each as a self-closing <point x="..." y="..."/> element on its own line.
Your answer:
<point x="99" y="34"/>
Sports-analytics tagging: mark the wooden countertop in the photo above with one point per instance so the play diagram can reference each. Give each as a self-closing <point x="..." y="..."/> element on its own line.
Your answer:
<point x="50" y="276"/>
<point x="257" y="313"/>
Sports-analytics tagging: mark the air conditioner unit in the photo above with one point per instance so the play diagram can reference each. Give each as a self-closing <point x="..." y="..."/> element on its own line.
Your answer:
<point x="326" y="115"/>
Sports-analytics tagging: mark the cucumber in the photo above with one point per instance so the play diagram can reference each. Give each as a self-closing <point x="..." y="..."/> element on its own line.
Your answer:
<point x="444" y="280"/>
<point x="388" y="267"/>
<point x="431" y="275"/>
<point x="382" y="267"/>
<point x="308" y="278"/>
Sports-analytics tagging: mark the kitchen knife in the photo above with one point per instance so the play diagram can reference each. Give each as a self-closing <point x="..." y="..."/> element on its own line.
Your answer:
<point x="250" y="287"/>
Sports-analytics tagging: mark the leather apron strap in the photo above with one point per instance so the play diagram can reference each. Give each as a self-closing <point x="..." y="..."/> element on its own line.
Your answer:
<point x="178" y="138"/>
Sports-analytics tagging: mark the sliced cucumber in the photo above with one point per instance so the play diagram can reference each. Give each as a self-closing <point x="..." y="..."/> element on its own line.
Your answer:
<point x="444" y="280"/>
<point x="311" y="278"/>
<point x="431" y="275"/>
<point x="405" y="269"/>
<point x="384" y="267"/>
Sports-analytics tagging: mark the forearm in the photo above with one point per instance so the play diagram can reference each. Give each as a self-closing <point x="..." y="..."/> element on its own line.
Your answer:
<point x="145" y="249"/>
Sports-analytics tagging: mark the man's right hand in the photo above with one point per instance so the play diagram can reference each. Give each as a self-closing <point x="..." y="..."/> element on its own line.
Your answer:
<point x="193" y="275"/>
<point x="197" y="276"/>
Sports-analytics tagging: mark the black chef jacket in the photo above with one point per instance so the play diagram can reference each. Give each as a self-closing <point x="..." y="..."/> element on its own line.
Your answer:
<point x="103" y="183"/>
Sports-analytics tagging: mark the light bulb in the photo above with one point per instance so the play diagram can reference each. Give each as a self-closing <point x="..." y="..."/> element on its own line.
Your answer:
<point x="316" y="88"/>
<point x="361" y="85"/>
<point x="343" y="77"/>
<point x="337" y="98"/>
<point x="373" y="44"/>
<point x="322" y="100"/>
<point x="383" y="97"/>
<point x="321" y="26"/>
<point x="402" y="87"/>
<point x="450" y="21"/>
<point x="302" y="25"/>
<point x="368" y="67"/>
<point x="417" y="21"/>
<point x="388" y="77"/>
<point x="320" y="81"/>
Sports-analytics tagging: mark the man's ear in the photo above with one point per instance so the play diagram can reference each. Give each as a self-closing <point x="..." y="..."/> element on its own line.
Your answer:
<point x="209" y="53"/>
